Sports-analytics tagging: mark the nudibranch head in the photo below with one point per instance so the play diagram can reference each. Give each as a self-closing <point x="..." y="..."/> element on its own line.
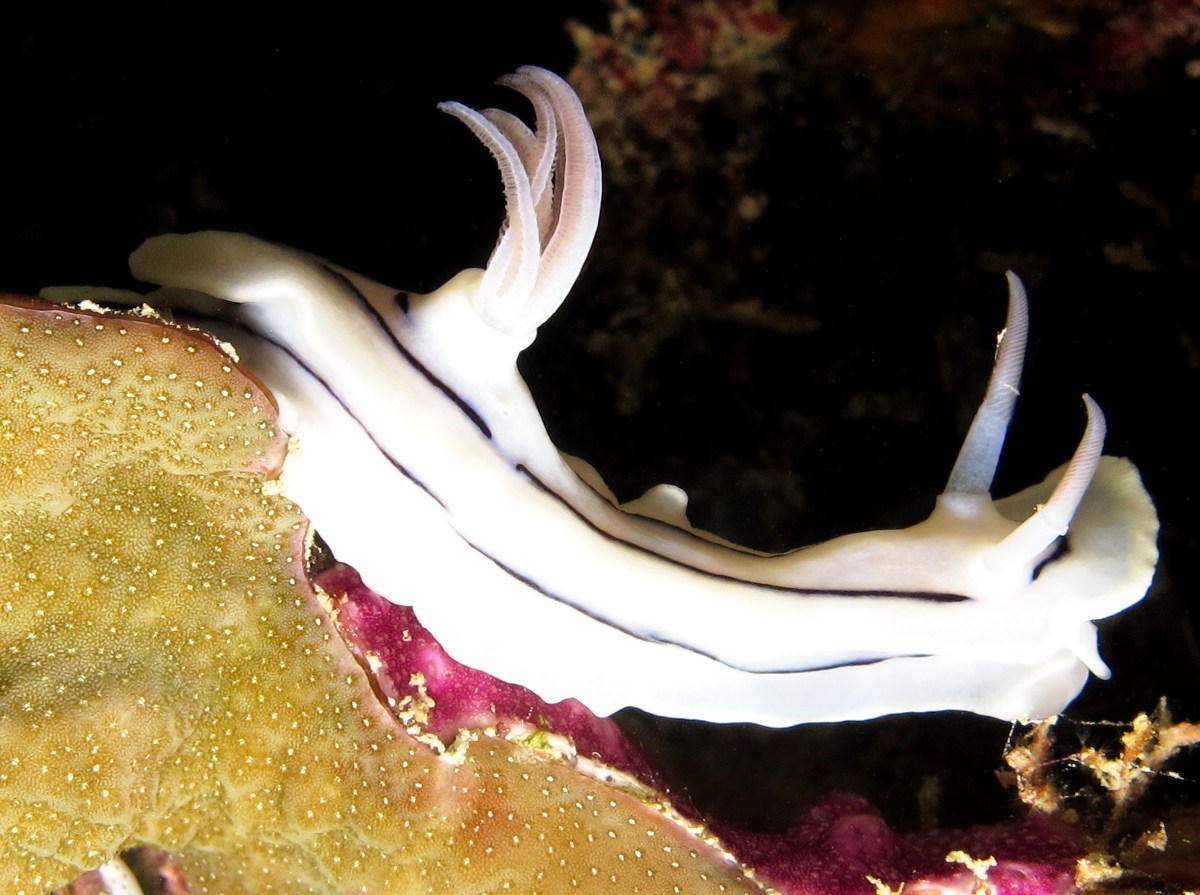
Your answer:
<point x="464" y="508"/>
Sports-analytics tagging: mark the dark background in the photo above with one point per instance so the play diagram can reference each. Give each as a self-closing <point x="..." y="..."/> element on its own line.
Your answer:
<point x="909" y="153"/>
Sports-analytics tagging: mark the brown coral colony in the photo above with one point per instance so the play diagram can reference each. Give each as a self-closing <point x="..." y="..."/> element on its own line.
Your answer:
<point x="170" y="678"/>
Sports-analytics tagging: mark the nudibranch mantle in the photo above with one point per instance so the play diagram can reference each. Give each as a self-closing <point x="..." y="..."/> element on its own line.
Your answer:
<point x="422" y="460"/>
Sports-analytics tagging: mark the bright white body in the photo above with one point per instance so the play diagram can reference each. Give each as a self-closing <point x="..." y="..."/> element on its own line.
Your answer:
<point x="423" y="462"/>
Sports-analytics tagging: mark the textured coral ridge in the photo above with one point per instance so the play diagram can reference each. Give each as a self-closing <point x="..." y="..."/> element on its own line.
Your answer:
<point x="440" y="696"/>
<point x="837" y="847"/>
<point x="167" y="676"/>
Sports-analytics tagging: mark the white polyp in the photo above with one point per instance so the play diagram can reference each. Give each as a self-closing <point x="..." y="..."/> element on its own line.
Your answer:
<point x="118" y="879"/>
<point x="976" y="464"/>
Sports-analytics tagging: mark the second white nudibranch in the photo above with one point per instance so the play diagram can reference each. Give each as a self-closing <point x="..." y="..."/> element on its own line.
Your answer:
<point x="422" y="461"/>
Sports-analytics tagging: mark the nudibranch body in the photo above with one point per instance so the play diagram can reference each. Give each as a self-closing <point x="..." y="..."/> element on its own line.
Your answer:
<point x="422" y="459"/>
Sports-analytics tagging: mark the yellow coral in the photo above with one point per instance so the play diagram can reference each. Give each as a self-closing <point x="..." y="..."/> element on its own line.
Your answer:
<point x="167" y="676"/>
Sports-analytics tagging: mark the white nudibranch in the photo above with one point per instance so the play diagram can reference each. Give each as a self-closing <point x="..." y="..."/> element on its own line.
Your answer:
<point x="422" y="461"/>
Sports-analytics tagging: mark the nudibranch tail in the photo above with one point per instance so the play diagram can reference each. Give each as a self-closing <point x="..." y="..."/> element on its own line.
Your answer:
<point x="552" y="189"/>
<point x="976" y="464"/>
<point x="424" y="463"/>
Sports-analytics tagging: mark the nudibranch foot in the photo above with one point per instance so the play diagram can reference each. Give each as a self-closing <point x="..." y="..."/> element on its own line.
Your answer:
<point x="422" y="459"/>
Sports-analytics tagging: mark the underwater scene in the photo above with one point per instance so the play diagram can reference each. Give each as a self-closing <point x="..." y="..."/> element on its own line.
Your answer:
<point x="731" y="446"/>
